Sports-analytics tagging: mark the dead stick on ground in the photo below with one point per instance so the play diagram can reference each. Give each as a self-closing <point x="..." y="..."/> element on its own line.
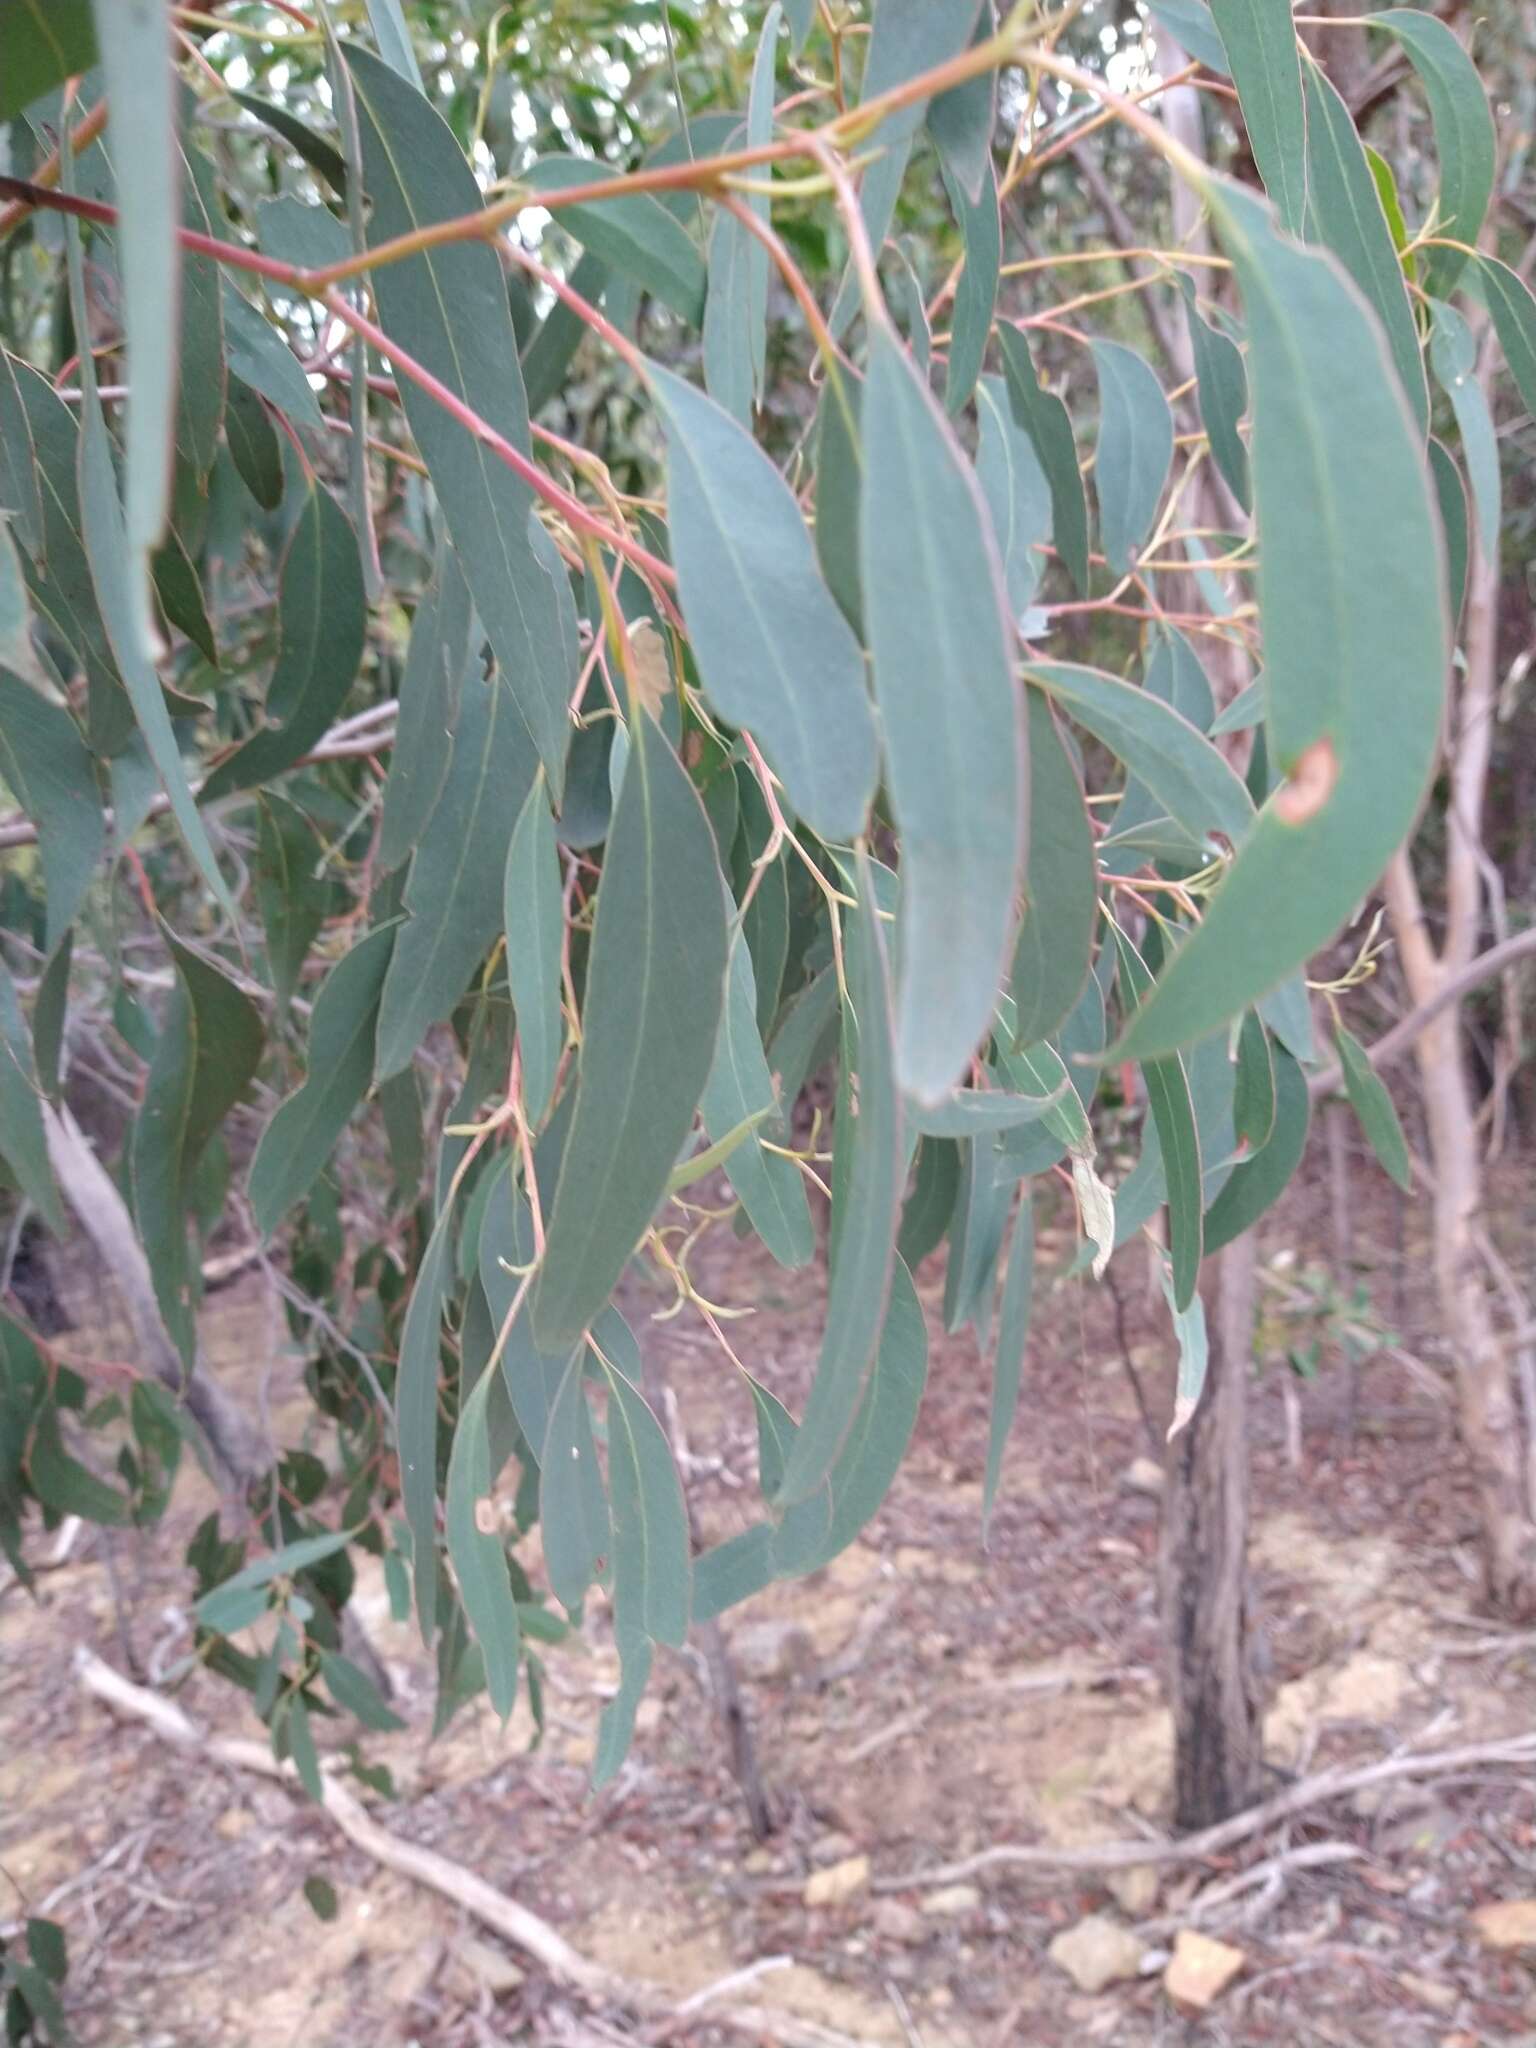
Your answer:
<point x="524" y="1930"/>
<point x="1197" y="1848"/>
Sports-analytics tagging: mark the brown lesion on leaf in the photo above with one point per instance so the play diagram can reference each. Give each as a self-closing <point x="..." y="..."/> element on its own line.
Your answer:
<point x="1310" y="784"/>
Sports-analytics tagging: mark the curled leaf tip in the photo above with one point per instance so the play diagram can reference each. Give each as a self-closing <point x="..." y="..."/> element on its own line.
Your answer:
<point x="1310" y="784"/>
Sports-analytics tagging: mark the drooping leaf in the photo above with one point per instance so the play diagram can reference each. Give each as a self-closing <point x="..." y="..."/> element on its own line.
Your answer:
<point x="1453" y="356"/>
<point x="1265" y="62"/>
<point x="801" y="15"/>
<point x="1173" y="1112"/>
<point x="1194" y="1358"/>
<point x="976" y="1233"/>
<point x="322" y="620"/>
<point x="356" y="1694"/>
<point x="62" y="1483"/>
<point x="938" y="628"/>
<point x="216" y="1608"/>
<point x="535" y="924"/>
<point x="393" y="37"/>
<point x="1514" y="320"/>
<point x="926" y="1213"/>
<point x="23" y="1144"/>
<point x="1046" y="421"/>
<point x="416" y="1413"/>
<point x="960" y="121"/>
<point x="262" y="359"/>
<point x="1455" y="523"/>
<point x="632" y="232"/>
<point x="1464" y="134"/>
<point x="45" y="42"/>
<point x="1017" y="494"/>
<point x="976" y="294"/>
<point x="181" y="595"/>
<point x="774" y="653"/>
<point x="573" y="1503"/>
<point x="441" y="644"/>
<point x="1346" y="214"/>
<point x="981" y="1113"/>
<point x="1253" y="1092"/>
<point x="1191" y="24"/>
<point x="1257" y="1183"/>
<point x="866" y="1192"/>
<point x="455" y="891"/>
<point x="478" y="1551"/>
<point x="616" y="1728"/>
<point x="448" y="309"/>
<point x="1354" y="634"/>
<point x="20" y="492"/>
<point x="292" y="890"/>
<point x="1374" y="1107"/>
<point x="736" y="306"/>
<point x="296" y="1144"/>
<point x="1008" y="1359"/>
<point x="651" y="1570"/>
<point x="1222" y="389"/>
<point x="320" y="154"/>
<point x="253" y="444"/>
<point x="839" y="487"/>
<point x="1135" y="450"/>
<point x="547" y="357"/>
<point x="45" y="765"/>
<point x="655" y="986"/>
<point x="768" y="1186"/>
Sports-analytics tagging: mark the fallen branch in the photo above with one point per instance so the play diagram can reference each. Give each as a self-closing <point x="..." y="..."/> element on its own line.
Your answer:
<point x="523" y="1929"/>
<point x="1213" y="1841"/>
<point x="1309" y="1856"/>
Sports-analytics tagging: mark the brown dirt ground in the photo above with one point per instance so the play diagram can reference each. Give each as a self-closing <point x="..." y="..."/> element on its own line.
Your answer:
<point x="926" y="1726"/>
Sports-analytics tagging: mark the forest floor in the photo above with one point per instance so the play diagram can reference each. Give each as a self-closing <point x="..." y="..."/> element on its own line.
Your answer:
<point x="918" y="1701"/>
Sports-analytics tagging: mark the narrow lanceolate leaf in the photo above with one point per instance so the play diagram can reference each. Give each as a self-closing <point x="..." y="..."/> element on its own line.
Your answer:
<point x="478" y="1550"/>
<point x="632" y="231"/>
<point x="775" y="654"/>
<point x="976" y="294"/>
<point x="740" y="1087"/>
<point x="134" y="40"/>
<point x="1455" y="522"/>
<point x="535" y="925"/>
<point x="982" y="1112"/>
<point x="1054" y="948"/>
<point x="106" y="545"/>
<point x="20" y="491"/>
<point x="261" y="358"/>
<point x="294" y="891"/>
<point x="868" y="1190"/>
<point x="652" y="1576"/>
<point x="209" y="1048"/>
<point x="1355" y="633"/>
<point x="1173" y="1112"/>
<point x="45" y="765"/>
<point x="1221" y="385"/>
<point x="1178" y="764"/>
<point x="1253" y="1089"/>
<point x="254" y="445"/>
<point x="655" y="986"/>
<point x="1464" y="134"/>
<point x="1256" y="1184"/>
<point x="573" y="1503"/>
<point x="299" y="1140"/>
<point x="976" y="1236"/>
<point x="1453" y="356"/>
<point x="839" y="485"/>
<point x="736" y="307"/>
<point x="416" y="1413"/>
<point x="448" y="309"/>
<point x="1045" y="419"/>
<point x="1374" y="1107"/>
<point x="939" y="633"/>
<point x="394" y="39"/>
<point x="927" y="1210"/>
<point x="23" y="1145"/>
<point x="46" y="41"/>
<point x="961" y="121"/>
<point x="1008" y="1359"/>
<point x="1194" y="1358"/>
<point x="1265" y="61"/>
<point x="1017" y="494"/>
<point x="1189" y="22"/>
<point x="441" y="644"/>
<point x="1345" y="213"/>
<point x="321" y="623"/>
<point x="1135" y="451"/>
<point x="1514" y="319"/>
<point x="455" y="891"/>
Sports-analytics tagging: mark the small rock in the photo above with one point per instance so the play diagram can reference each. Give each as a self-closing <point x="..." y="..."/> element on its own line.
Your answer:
<point x="951" y="1900"/>
<point x="757" y="1862"/>
<point x="843" y="1881"/>
<point x="1366" y="1688"/>
<point x="1430" y="1991"/>
<point x="894" y="1920"/>
<point x="833" y="1848"/>
<point x="1142" y="1475"/>
<point x="484" y="1966"/>
<point x="1096" y="1952"/>
<point x="1509" y="1924"/>
<point x="1134" y="1891"/>
<point x="233" y="1822"/>
<point x="649" y="1715"/>
<point x="1200" y="1970"/>
<point x="772" y="1651"/>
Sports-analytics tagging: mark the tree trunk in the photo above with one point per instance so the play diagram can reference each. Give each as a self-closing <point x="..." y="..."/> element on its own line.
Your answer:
<point x="1207" y="1606"/>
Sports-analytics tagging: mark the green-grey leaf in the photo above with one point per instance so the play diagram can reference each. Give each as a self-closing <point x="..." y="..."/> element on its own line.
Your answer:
<point x="480" y="1558"/>
<point x="299" y="1140"/>
<point x="293" y="890"/>
<point x="961" y="120"/>
<point x="448" y="308"/>
<point x="317" y="152"/>
<point x="1008" y="1359"/>
<point x="1265" y="62"/>
<point x="1173" y="1112"/>
<point x="535" y="922"/>
<point x="1345" y="213"/>
<point x="987" y="1183"/>
<point x="394" y="39"/>
<point x="1374" y="1107"/>
<point x="284" y="1563"/>
<point x="455" y="891"/>
<point x="975" y="298"/>
<point x="322" y="618"/>
<point x="46" y="766"/>
<point x="1017" y="494"/>
<point x="45" y="42"/>
<point x="356" y="1694"/>
<point x="981" y="1112"/>
<point x="1464" y="134"/>
<point x="939" y="633"/>
<point x="416" y="1414"/>
<point x="20" y="491"/>
<point x="1222" y="389"/>
<point x="548" y="355"/>
<point x="926" y="1213"/>
<point x="869" y="1136"/>
<point x="573" y="1504"/>
<point x="774" y="653"/>
<point x="1355" y="632"/>
<point x="1257" y="1183"/>
<point x="733" y="1571"/>
<point x="1253" y="1089"/>
<point x="736" y="307"/>
<point x="441" y="644"/>
<point x="253" y="445"/>
<point x="616" y="1727"/>
<point x="1514" y="319"/>
<point x="1453" y="356"/>
<point x="23" y="1143"/>
<point x="740" y="1087"/>
<point x="839" y="486"/>
<point x="1194" y="1357"/>
<point x="801" y="15"/>
<point x="1191" y="24"/>
<point x="1135" y="450"/>
<point x="632" y="232"/>
<point x="651" y="1567"/>
<point x="655" y="986"/>
<point x="1455" y="522"/>
<point x="1046" y="421"/>
<point x="261" y="358"/>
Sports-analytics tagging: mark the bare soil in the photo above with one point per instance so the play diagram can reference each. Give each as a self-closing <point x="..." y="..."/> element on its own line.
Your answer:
<point x="948" y="1697"/>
